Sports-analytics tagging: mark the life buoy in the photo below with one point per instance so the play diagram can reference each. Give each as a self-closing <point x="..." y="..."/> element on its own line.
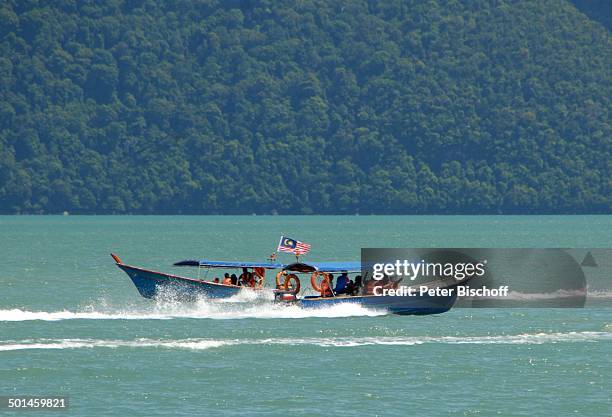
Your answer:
<point x="324" y="288"/>
<point x="296" y="286"/>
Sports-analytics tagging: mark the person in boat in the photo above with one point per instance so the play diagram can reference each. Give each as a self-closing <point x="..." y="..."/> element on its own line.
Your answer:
<point x="356" y="287"/>
<point x="353" y="287"/>
<point x="216" y="280"/>
<point x="349" y="287"/>
<point x="244" y="278"/>
<point x="250" y="280"/>
<point x="226" y="280"/>
<point x="326" y="286"/>
<point x="234" y="279"/>
<point x="342" y="284"/>
<point x="370" y="284"/>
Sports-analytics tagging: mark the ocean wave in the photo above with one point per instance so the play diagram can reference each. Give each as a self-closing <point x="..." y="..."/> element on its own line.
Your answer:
<point x="554" y="295"/>
<point x="339" y="342"/>
<point x="96" y="343"/>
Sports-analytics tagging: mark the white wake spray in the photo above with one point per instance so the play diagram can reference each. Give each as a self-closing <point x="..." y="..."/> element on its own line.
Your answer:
<point x="335" y="342"/>
<point x="245" y="305"/>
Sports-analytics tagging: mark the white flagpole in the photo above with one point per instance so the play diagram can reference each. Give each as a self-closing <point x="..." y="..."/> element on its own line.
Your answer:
<point x="280" y="242"/>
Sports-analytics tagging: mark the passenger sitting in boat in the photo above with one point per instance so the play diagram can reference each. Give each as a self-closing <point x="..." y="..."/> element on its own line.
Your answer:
<point x="225" y="276"/>
<point x="356" y="285"/>
<point x="351" y="289"/>
<point x="216" y="280"/>
<point x="370" y="284"/>
<point x="244" y="278"/>
<point x="358" y="280"/>
<point x="250" y="280"/>
<point x="327" y="286"/>
<point x="226" y="281"/>
<point x="234" y="279"/>
<point x="341" y="284"/>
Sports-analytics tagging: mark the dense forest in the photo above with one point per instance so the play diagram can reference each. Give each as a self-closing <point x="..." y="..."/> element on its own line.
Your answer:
<point x="312" y="106"/>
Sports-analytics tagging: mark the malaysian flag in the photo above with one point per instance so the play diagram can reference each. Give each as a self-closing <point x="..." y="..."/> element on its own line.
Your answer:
<point x="287" y="244"/>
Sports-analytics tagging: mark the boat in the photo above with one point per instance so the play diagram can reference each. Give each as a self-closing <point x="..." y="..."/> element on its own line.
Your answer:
<point x="154" y="284"/>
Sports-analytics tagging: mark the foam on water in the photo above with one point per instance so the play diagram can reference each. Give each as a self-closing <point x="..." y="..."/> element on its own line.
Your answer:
<point x="94" y="343"/>
<point x="204" y="344"/>
<point x="603" y="294"/>
<point x="242" y="306"/>
<point x="554" y="295"/>
<point x="246" y="304"/>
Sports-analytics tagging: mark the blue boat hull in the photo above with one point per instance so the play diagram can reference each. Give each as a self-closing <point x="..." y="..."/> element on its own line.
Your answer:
<point x="152" y="284"/>
<point x="402" y="305"/>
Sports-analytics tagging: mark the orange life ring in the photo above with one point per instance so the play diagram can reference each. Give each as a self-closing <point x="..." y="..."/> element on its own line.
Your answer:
<point x="320" y="288"/>
<point x="296" y="287"/>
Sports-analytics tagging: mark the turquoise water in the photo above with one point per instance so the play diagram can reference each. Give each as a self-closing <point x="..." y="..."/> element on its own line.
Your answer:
<point x="72" y="324"/>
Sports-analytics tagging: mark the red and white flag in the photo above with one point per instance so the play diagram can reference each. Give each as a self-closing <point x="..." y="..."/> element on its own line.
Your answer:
<point x="287" y="244"/>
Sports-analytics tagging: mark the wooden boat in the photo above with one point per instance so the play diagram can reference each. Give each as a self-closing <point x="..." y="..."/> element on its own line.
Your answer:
<point x="153" y="284"/>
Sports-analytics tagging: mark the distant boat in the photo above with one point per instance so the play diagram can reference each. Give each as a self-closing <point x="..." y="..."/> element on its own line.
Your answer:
<point x="154" y="284"/>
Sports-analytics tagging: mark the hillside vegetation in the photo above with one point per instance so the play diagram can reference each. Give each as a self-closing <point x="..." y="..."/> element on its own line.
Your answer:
<point x="230" y="106"/>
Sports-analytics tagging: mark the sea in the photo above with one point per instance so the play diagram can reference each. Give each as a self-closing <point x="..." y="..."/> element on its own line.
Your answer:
<point x="72" y="324"/>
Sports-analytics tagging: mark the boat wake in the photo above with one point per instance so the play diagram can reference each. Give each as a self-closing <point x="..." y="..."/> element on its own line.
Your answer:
<point x="599" y="294"/>
<point x="339" y="342"/>
<point x="243" y="306"/>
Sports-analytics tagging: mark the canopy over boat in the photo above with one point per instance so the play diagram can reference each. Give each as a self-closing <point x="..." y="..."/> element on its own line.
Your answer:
<point x="229" y="264"/>
<point x="324" y="267"/>
<point x="334" y="267"/>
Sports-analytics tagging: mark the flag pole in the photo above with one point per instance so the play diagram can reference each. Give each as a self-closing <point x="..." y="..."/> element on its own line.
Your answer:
<point x="280" y="242"/>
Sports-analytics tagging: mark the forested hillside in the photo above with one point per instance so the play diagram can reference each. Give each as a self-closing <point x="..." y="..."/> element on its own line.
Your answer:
<point x="248" y="106"/>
